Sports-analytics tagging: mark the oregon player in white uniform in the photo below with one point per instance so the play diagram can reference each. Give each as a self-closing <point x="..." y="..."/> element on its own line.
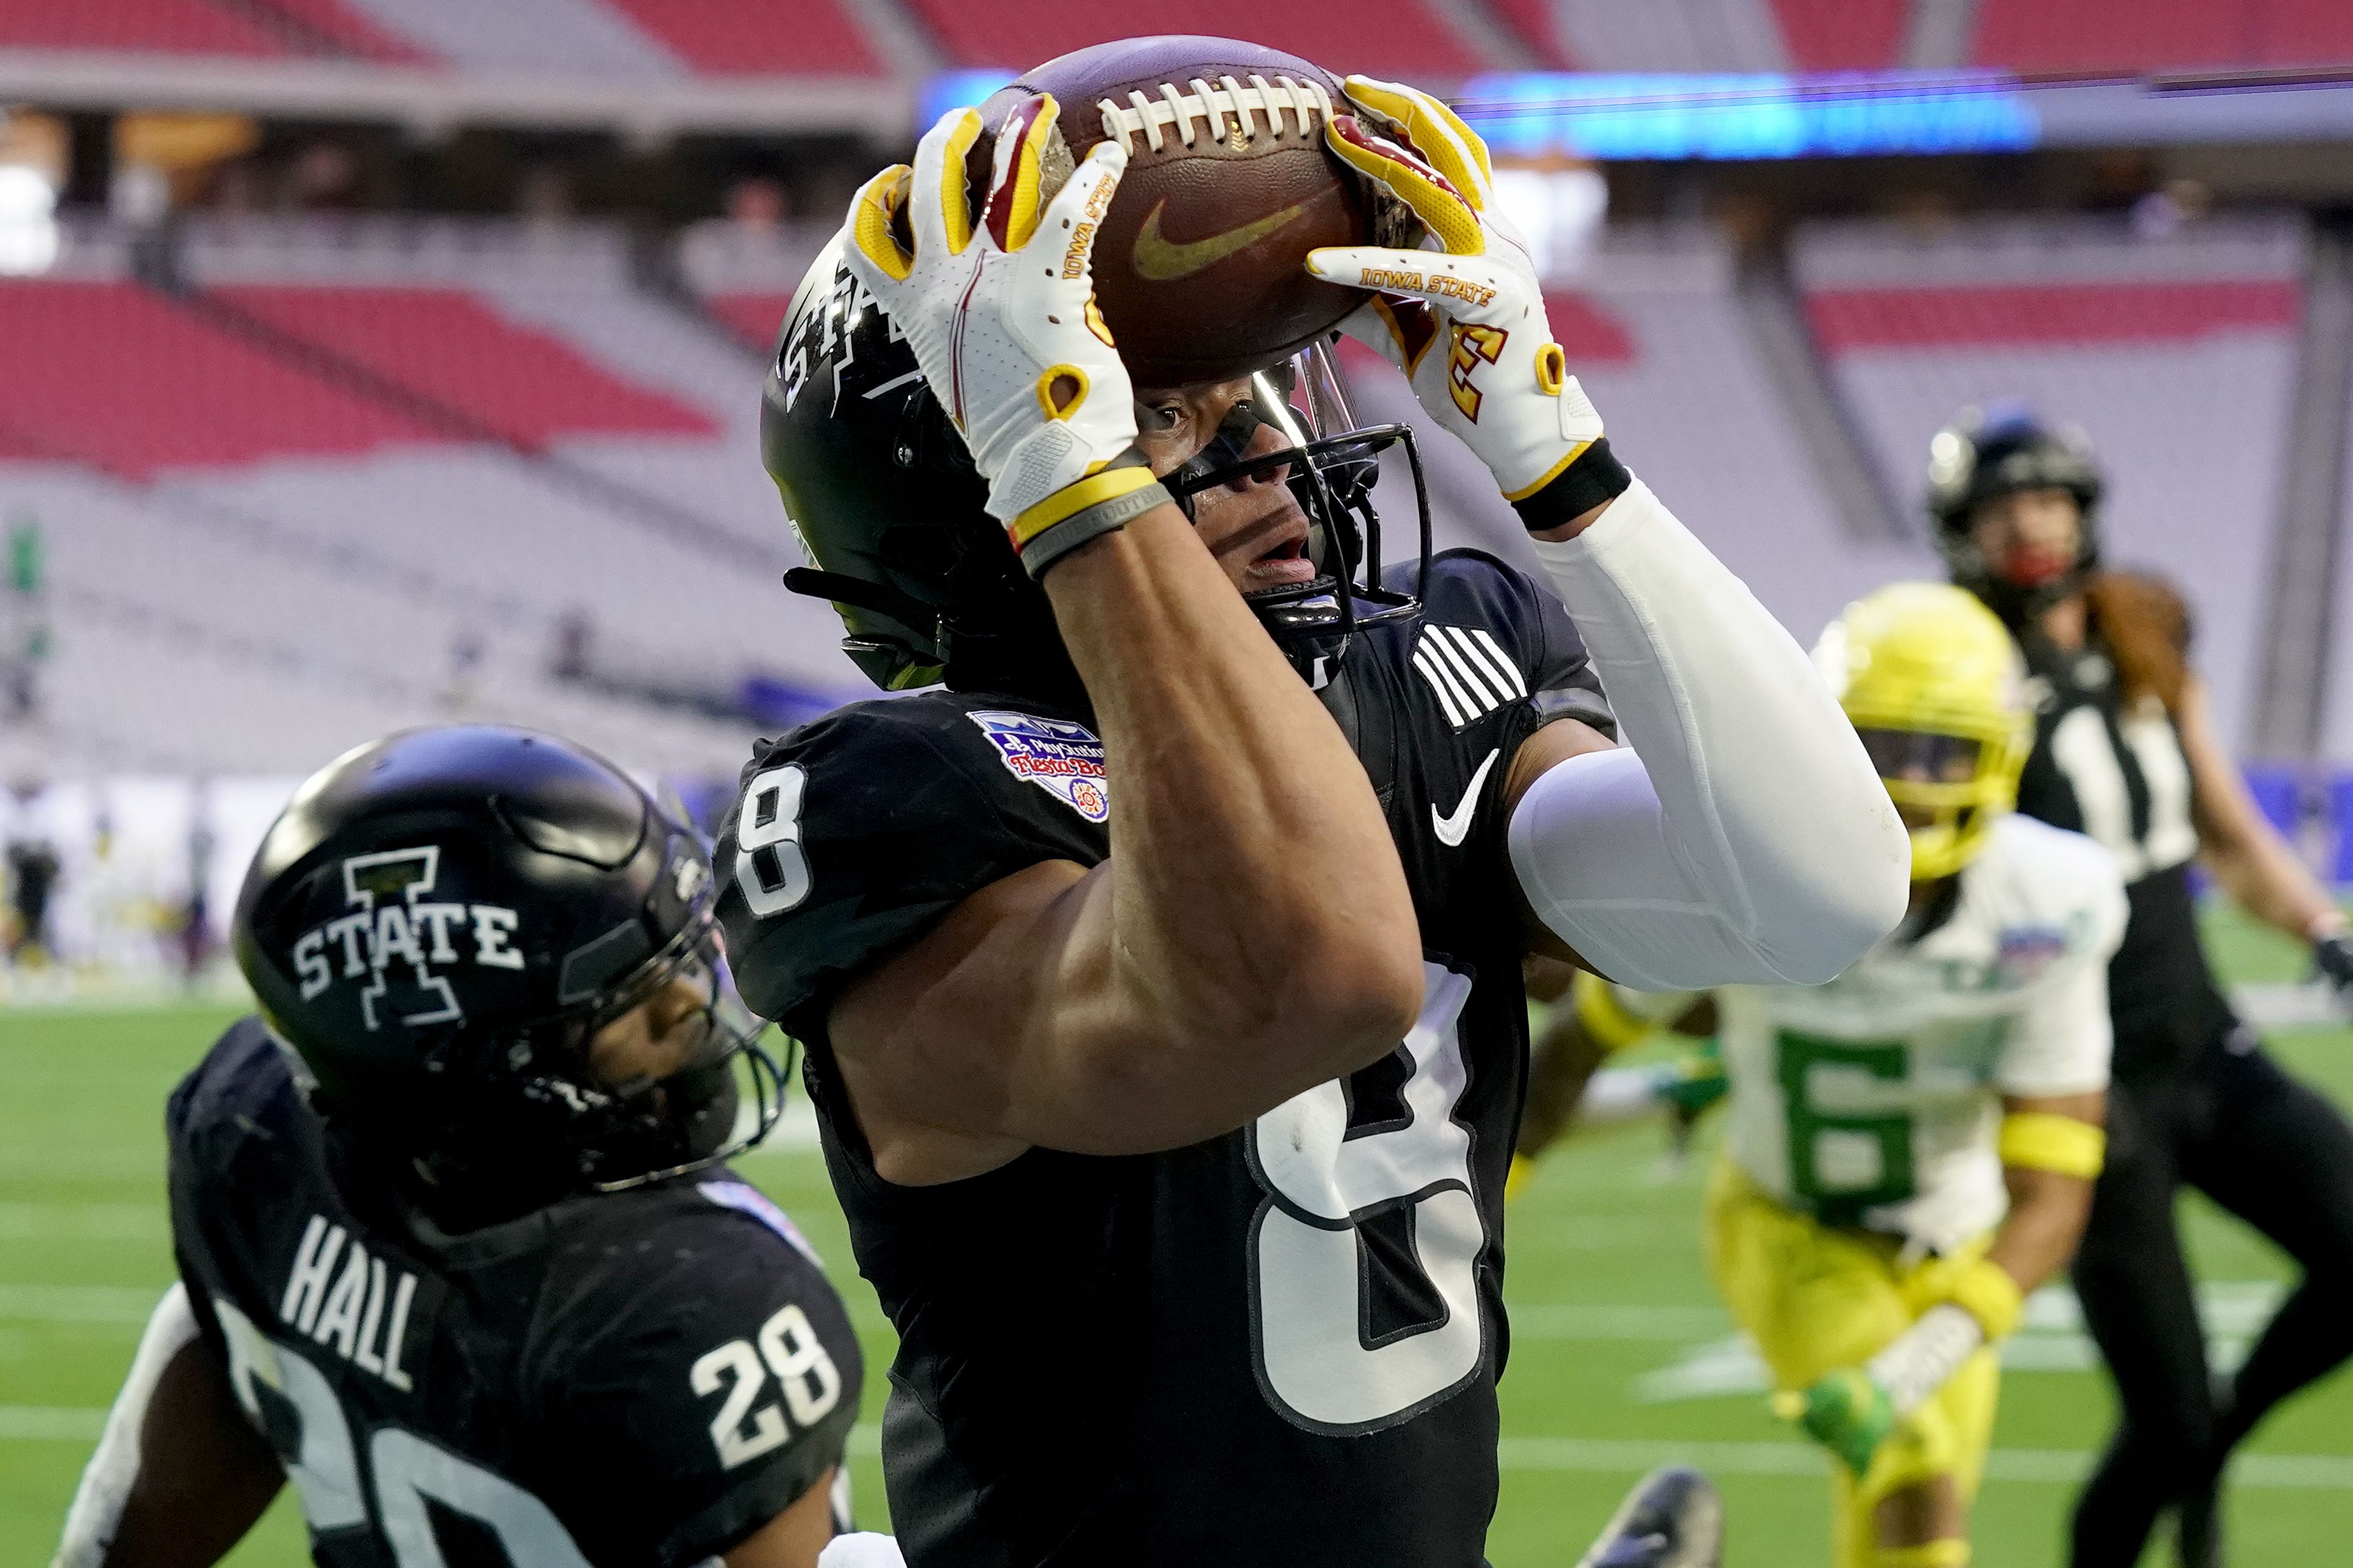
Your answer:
<point x="1911" y="1146"/>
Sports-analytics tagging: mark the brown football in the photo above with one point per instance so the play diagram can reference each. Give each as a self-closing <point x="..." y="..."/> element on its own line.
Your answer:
<point x="1199" y="266"/>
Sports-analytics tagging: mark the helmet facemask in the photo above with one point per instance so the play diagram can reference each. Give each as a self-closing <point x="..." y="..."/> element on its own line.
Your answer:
<point x="1950" y="784"/>
<point x="1981" y="458"/>
<point x="1333" y="467"/>
<point x="547" y="1126"/>
<point x="1936" y="692"/>
<point x="647" y="1129"/>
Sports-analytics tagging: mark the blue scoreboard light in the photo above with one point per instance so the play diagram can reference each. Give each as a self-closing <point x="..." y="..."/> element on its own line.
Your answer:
<point x="1536" y="113"/>
<point x="1754" y="116"/>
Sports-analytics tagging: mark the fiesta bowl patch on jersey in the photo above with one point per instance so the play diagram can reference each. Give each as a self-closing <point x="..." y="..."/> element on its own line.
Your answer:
<point x="2026" y="951"/>
<point x="1061" y="758"/>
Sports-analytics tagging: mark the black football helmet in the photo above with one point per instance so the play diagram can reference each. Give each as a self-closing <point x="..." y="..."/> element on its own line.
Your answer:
<point x="437" y="924"/>
<point x="1982" y="455"/>
<point x="890" y="513"/>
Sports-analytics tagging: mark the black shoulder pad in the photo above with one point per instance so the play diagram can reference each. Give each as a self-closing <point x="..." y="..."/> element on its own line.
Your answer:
<point x="1481" y="613"/>
<point x="698" y="1374"/>
<point x="854" y="833"/>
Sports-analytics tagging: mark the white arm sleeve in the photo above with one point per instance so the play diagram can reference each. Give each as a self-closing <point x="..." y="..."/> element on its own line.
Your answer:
<point x="1744" y="838"/>
<point x="106" y="1483"/>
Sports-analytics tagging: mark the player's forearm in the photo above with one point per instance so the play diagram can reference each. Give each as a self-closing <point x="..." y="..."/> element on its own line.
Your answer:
<point x="178" y="1476"/>
<point x="2263" y="877"/>
<point x="1560" y="1065"/>
<point x="2236" y="842"/>
<point x="1258" y="904"/>
<point x="2047" y="1212"/>
<point x="1748" y="820"/>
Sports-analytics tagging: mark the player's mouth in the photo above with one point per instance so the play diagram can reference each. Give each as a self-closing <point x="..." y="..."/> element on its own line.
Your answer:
<point x="1270" y="551"/>
<point x="2032" y="565"/>
<point x="1286" y="563"/>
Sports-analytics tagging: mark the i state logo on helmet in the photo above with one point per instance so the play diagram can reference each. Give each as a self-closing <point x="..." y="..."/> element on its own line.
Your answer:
<point x="396" y="933"/>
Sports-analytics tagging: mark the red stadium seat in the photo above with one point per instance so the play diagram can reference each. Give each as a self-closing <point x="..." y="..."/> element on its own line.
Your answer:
<point x="118" y="377"/>
<point x="446" y="345"/>
<point x="1401" y="37"/>
<point x="162" y="27"/>
<point x="1843" y="34"/>
<point x="2110" y="34"/>
<point x="350" y="30"/>
<point x="1848" y="320"/>
<point x="727" y="37"/>
<point x="1589" y="334"/>
<point x="2304" y="32"/>
<point x="1535" y="24"/>
<point x="754" y="316"/>
<point x="2161" y="34"/>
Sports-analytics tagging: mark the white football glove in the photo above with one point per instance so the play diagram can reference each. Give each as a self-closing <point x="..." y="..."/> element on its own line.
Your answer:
<point x="1465" y="321"/>
<point x="1000" y="311"/>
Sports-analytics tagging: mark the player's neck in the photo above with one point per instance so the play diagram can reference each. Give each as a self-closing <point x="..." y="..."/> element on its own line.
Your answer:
<point x="2067" y="624"/>
<point x="1930" y="903"/>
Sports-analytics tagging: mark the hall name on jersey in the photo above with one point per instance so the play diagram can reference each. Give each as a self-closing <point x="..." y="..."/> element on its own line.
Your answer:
<point x="349" y="1310"/>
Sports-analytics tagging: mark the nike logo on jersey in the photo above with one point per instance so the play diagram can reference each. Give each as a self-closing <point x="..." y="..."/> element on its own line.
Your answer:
<point x="1452" y="830"/>
<point x="1469" y="671"/>
<point x="1162" y="260"/>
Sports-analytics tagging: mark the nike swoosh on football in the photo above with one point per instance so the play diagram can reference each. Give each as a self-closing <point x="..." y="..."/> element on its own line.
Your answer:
<point x="1452" y="830"/>
<point x="1159" y="259"/>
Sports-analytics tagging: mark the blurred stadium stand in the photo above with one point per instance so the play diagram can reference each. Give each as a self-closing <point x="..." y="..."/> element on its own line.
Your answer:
<point x="1382" y="37"/>
<point x="156" y="26"/>
<point x="1673" y="36"/>
<point x="495" y="433"/>
<point x="2161" y="34"/>
<point x="2176" y="356"/>
<point x="1843" y="34"/>
<point x="724" y="38"/>
<point x="386" y="486"/>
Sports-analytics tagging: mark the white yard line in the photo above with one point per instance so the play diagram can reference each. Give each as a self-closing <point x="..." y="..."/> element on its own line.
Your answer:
<point x="2284" y="1472"/>
<point x="130" y="1304"/>
<point x="82" y="1222"/>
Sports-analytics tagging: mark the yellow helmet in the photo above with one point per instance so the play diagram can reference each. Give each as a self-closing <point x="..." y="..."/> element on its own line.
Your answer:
<point x="1936" y="690"/>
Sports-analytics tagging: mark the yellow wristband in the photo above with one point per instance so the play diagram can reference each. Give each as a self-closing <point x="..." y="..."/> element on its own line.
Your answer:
<point x="1106" y="484"/>
<point x="1945" y="1553"/>
<point x="1604" y="1016"/>
<point x="2040" y="1140"/>
<point x="1985" y="1290"/>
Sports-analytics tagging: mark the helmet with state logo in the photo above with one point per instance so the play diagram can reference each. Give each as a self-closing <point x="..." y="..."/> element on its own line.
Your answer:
<point x="1936" y="690"/>
<point x="438" y="924"/>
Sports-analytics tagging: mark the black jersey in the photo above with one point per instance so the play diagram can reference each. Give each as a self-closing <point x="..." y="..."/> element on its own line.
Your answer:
<point x="632" y="1380"/>
<point x="1279" y="1346"/>
<point x="2116" y="771"/>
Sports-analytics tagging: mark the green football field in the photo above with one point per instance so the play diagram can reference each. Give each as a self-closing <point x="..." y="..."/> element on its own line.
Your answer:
<point x="1620" y="1357"/>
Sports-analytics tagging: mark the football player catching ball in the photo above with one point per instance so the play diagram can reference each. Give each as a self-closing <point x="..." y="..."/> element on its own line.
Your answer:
<point x="1160" y="976"/>
<point x="1912" y="1146"/>
<point x="458" y="1255"/>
